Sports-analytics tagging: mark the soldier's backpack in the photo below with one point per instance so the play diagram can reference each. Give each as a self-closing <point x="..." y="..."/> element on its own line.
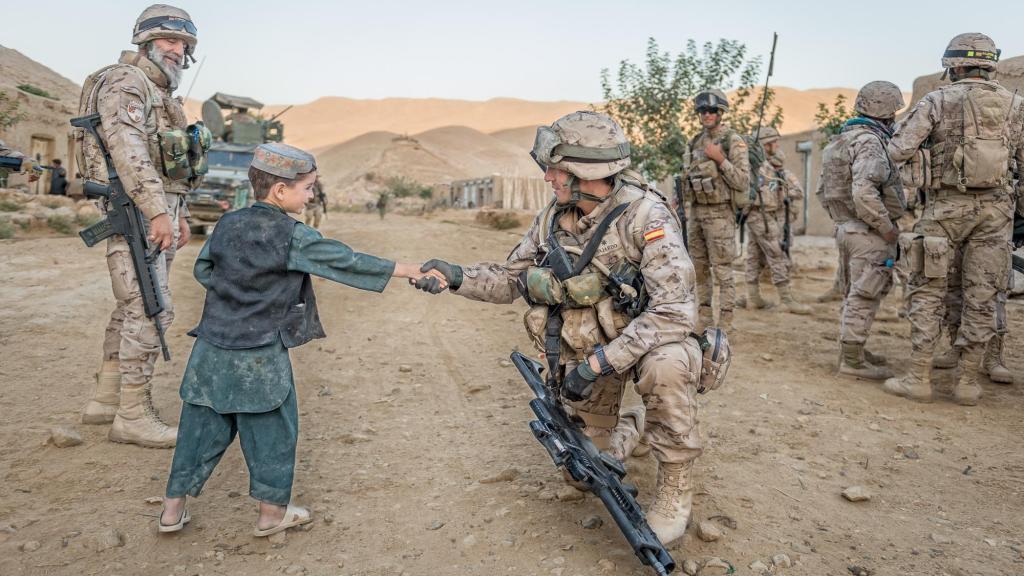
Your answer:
<point x="979" y="157"/>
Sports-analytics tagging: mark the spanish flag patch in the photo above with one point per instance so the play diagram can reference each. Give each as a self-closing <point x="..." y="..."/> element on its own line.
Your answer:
<point x="653" y="235"/>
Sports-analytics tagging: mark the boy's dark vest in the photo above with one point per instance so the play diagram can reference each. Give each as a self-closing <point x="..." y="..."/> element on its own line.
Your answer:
<point x="254" y="299"/>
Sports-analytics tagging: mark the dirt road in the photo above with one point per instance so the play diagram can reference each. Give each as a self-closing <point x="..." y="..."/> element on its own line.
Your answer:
<point x="408" y="405"/>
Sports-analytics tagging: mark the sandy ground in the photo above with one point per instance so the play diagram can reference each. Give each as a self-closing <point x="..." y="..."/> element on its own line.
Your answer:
<point x="407" y="406"/>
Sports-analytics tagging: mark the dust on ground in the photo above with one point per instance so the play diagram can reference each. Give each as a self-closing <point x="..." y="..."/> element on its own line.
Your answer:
<point x="409" y="404"/>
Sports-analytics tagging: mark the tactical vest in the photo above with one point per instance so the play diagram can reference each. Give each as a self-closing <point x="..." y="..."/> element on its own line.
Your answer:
<point x="589" y="314"/>
<point x="972" y="147"/>
<point x="167" y="138"/>
<point x="254" y="299"/>
<point x="703" y="179"/>
<point x="837" y="178"/>
<point x="772" y="190"/>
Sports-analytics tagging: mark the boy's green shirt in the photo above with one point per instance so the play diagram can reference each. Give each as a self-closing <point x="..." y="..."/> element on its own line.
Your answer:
<point x="259" y="379"/>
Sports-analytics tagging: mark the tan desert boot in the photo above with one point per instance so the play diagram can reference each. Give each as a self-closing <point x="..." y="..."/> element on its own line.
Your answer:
<point x="967" y="391"/>
<point x="106" y="396"/>
<point x="792" y="306"/>
<point x="852" y="363"/>
<point x="628" y="433"/>
<point x="916" y="384"/>
<point x="753" y="299"/>
<point x="876" y="359"/>
<point x="137" y="421"/>
<point x="993" y="363"/>
<point x="673" y="500"/>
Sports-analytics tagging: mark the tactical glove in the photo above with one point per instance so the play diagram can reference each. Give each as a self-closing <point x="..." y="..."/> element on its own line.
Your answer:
<point x="579" y="383"/>
<point x="452" y="274"/>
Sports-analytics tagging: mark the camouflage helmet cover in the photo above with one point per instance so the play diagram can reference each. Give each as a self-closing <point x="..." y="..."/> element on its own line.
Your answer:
<point x="711" y="98"/>
<point x="717" y="355"/>
<point x="971" y="49"/>
<point x="589" y="145"/>
<point x="767" y="135"/>
<point x="879" y="99"/>
<point x="163" y="21"/>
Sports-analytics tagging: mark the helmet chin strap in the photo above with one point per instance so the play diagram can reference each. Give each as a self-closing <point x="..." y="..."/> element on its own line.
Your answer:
<point x="576" y="194"/>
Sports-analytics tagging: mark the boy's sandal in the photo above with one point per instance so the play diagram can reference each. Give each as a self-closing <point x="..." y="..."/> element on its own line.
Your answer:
<point x="185" y="518"/>
<point x="293" y="516"/>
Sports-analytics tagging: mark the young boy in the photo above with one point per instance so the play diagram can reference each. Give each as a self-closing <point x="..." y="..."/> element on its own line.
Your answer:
<point x="259" y="303"/>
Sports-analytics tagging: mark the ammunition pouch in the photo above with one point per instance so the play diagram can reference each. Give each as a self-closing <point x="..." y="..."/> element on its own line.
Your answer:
<point x="199" y="141"/>
<point x="936" y="256"/>
<point x="911" y="249"/>
<point x="585" y="289"/>
<point x="174" y="154"/>
<point x="542" y="287"/>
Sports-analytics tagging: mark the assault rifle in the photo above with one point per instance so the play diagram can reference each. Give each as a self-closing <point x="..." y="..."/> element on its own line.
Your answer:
<point x="677" y="187"/>
<point x="598" y="471"/>
<point x="124" y="218"/>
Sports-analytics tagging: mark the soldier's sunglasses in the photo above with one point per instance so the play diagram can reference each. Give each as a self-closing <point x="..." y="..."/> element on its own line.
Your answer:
<point x="705" y="110"/>
<point x="168" y="23"/>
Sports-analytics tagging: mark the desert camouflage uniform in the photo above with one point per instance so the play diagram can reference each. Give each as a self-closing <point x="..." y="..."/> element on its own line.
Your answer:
<point x="976" y="222"/>
<point x="134" y="106"/>
<point x="765" y="221"/>
<point x="859" y="208"/>
<point x="712" y="226"/>
<point x="657" y="343"/>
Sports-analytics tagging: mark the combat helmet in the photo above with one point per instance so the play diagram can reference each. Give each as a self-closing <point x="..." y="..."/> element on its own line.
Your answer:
<point x="588" y="145"/>
<point x="879" y="99"/>
<point x="163" y="21"/>
<point x="767" y="135"/>
<point x="971" y="49"/>
<point x="710" y="98"/>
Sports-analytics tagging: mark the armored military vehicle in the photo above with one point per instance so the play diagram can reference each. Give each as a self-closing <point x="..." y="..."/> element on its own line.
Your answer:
<point x="238" y="128"/>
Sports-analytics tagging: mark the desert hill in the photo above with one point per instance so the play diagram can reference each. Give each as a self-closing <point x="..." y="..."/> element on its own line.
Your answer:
<point x="16" y="68"/>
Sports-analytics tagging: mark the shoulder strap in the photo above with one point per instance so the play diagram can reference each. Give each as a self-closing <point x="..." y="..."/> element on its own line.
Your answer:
<point x="595" y="240"/>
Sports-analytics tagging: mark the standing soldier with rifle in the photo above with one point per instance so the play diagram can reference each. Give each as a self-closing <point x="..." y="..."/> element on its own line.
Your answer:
<point x="612" y="295"/>
<point x="862" y="191"/>
<point x="717" y="184"/>
<point x="144" y="129"/>
<point x="768" y="234"/>
<point x="974" y="128"/>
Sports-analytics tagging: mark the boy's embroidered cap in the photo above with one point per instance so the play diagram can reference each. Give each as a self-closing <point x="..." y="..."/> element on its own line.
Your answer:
<point x="283" y="160"/>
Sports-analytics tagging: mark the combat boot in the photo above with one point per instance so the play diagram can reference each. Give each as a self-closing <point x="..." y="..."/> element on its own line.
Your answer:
<point x="105" y="397"/>
<point x="753" y="299"/>
<point x="137" y="421"/>
<point x="916" y="384"/>
<point x="875" y="359"/>
<point x="833" y="295"/>
<point x="792" y="306"/>
<point x="852" y="363"/>
<point x="993" y="363"/>
<point x="627" y="438"/>
<point x="948" y="359"/>
<point x="673" y="500"/>
<point x="967" y="391"/>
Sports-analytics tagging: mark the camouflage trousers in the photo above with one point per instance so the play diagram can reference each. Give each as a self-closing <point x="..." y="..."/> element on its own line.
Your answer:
<point x="712" y="245"/>
<point x="977" y="226"/>
<point x="955" y="297"/>
<point x="131" y="338"/>
<point x="863" y="256"/>
<point x="667" y="383"/>
<point x="314" y="214"/>
<point x="764" y="248"/>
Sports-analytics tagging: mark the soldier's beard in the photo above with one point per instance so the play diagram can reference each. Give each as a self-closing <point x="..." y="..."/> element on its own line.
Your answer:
<point x="171" y="71"/>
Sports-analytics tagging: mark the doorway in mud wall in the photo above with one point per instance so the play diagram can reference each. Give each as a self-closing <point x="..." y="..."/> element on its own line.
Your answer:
<point x="43" y="149"/>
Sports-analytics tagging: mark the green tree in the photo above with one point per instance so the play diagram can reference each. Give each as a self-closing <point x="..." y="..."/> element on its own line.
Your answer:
<point x="830" y="120"/>
<point x="9" y="114"/>
<point x="653" y="102"/>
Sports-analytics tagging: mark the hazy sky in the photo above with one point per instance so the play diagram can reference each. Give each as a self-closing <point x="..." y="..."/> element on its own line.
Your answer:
<point x="297" y="51"/>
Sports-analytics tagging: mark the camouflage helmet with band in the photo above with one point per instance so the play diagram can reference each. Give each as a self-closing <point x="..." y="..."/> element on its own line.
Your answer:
<point x="879" y="99"/>
<point x="717" y="356"/>
<point x="972" y="49"/>
<point x="711" y="98"/>
<point x="767" y="135"/>
<point x="163" y="21"/>
<point x="588" y="145"/>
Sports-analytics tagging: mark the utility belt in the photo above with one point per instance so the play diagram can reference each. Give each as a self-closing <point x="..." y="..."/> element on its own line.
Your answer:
<point x="991" y="194"/>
